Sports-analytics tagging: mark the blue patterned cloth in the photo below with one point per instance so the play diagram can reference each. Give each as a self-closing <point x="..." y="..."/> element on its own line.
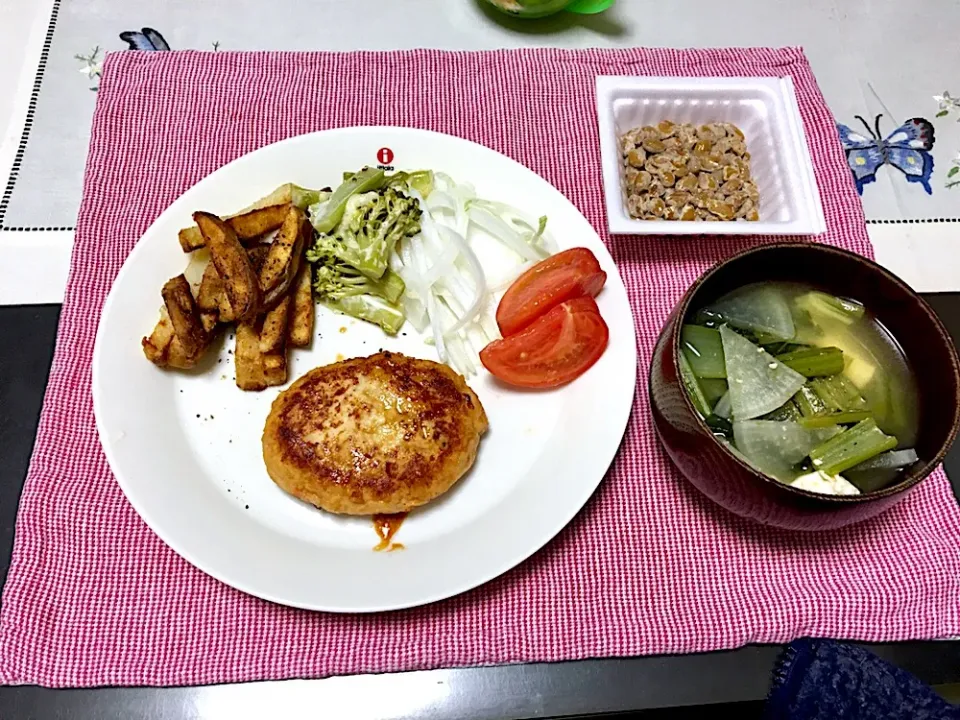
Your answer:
<point x="825" y="680"/>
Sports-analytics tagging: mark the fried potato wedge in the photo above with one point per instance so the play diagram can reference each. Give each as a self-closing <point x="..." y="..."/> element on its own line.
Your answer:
<point x="248" y="360"/>
<point x="284" y="259"/>
<point x="163" y="348"/>
<point x="184" y="316"/>
<point x="300" y="328"/>
<point x="209" y="321"/>
<point x="157" y="344"/>
<point x="258" y="256"/>
<point x="178" y="358"/>
<point x="233" y="264"/>
<point x="211" y="295"/>
<point x="249" y="226"/>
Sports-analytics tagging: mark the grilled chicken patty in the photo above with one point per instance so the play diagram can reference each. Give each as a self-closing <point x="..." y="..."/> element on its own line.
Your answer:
<point x="381" y="434"/>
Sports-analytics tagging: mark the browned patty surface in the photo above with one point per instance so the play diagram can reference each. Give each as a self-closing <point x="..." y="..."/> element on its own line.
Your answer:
<point x="381" y="434"/>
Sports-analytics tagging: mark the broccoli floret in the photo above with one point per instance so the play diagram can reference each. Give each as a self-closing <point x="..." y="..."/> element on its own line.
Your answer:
<point x="351" y="256"/>
<point x="372" y="224"/>
<point x="334" y="279"/>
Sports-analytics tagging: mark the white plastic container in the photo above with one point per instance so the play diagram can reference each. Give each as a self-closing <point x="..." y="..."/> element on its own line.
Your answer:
<point x="765" y="109"/>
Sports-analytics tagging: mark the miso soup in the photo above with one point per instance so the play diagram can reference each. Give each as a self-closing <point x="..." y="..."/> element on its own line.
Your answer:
<point x="806" y="387"/>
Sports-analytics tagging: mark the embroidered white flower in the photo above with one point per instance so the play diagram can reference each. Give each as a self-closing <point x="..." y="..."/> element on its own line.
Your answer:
<point x="92" y="65"/>
<point x="953" y="174"/>
<point x="947" y="104"/>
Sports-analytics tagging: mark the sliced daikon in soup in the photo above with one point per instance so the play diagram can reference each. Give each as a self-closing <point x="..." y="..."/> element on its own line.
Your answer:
<point x="775" y="448"/>
<point x="762" y="309"/>
<point x="758" y="382"/>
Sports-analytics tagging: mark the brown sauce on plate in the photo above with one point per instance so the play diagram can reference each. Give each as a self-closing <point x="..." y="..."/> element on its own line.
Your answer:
<point x="386" y="527"/>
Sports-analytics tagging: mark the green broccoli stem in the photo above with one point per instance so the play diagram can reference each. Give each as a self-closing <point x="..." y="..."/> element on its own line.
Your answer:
<point x="390" y="286"/>
<point x="331" y="212"/>
<point x="372" y="309"/>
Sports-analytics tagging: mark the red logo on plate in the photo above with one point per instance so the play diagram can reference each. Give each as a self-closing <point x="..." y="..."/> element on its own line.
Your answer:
<point x="385" y="155"/>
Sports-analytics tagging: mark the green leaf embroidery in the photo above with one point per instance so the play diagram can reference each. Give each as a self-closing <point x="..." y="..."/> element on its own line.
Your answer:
<point x="953" y="171"/>
<point x="942" y="113"/>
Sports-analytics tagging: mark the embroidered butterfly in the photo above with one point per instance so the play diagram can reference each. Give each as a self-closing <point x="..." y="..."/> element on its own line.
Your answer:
<point x="147" y="39"/>
<point x="907" y="149"/>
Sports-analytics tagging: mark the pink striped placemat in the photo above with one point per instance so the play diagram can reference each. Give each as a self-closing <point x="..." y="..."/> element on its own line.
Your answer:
<point x="94" y="597"/>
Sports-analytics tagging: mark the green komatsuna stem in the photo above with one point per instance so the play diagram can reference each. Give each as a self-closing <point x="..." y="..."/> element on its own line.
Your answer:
<point x="851" y="447"/>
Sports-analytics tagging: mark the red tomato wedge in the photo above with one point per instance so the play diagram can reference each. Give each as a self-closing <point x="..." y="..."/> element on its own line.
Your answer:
<point x="554" y="349"/>
<point x="569" y="274"/>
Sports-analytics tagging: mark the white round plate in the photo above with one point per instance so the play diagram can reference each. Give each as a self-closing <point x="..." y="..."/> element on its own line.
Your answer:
<point x="185" y="446"/>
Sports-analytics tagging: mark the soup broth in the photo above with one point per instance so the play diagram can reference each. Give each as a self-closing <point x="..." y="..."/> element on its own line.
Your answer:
<point x="808" y="388"/>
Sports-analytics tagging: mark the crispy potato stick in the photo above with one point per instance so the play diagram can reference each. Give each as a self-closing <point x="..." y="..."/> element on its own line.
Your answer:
<point x="283" y="195"/>
<point x="248" y="360"/>
<point x="249" y="226"/>
<point x="283" y="260"/>
<point x="257" y="223"/>
<point x="300" y="329"/>
<point x="183" y="314"/>
<point x="233" y="265"/>
<point x="273" y="334"/>
<point x="273" y="343"/>
<point x="275" y="369"/>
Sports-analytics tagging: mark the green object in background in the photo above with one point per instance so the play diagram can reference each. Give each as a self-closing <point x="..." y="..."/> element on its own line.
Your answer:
<point x="589" y="7"/>
<point x="542" y="8"/>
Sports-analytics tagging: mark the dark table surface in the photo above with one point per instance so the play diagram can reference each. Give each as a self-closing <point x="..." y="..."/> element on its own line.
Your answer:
<point x="575" y="689"/>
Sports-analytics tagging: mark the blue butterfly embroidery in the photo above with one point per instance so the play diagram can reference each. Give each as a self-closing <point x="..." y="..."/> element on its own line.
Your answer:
<point x="907" y="149"/>
<point x="147" y="39"/>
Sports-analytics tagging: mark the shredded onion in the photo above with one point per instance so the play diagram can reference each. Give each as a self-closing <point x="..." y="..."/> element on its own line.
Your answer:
<point x="447" y="287"/>
<point x="503" y="232"/>
<point x="476" y="274"/>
